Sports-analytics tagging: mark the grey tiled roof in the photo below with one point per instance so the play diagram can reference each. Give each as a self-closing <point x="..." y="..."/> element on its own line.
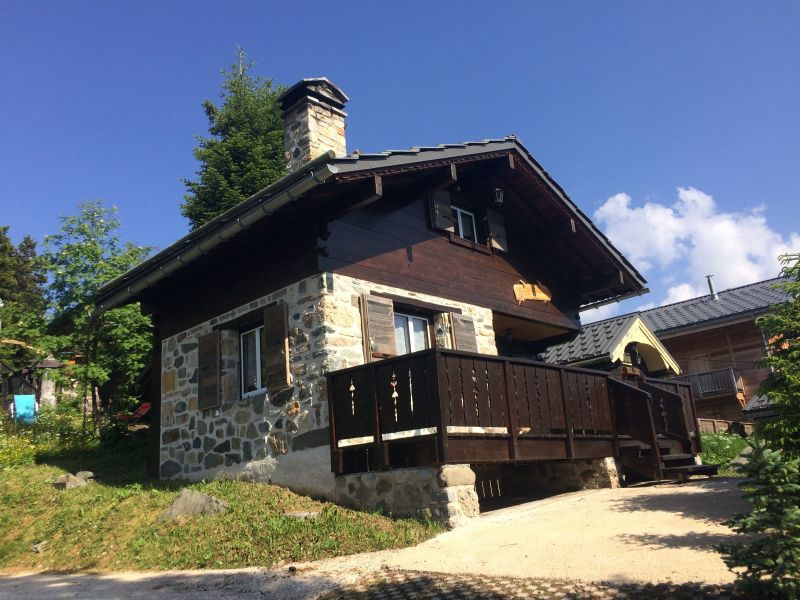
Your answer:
<point x="754" y="298"/>
<point x="595" y="340"/>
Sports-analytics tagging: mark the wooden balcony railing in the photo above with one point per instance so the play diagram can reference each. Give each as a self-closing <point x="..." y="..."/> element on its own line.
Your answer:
<point x="712" y="384"/>
<point x="446" y="406"/>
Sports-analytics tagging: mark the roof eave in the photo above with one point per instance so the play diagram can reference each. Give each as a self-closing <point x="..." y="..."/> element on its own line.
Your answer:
<point x="221" y="228"/>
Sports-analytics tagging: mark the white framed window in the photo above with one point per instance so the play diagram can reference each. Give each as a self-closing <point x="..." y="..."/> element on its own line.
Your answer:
<point x="464" y="223"/>
<point x="410" y="333"/>
<point x="250" y="349"/>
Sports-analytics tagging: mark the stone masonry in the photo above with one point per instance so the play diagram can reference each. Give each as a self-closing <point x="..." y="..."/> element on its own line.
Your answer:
<point x="284" y="439"/>
<point x="445" y="493"/>
<point x="311" y="129"/>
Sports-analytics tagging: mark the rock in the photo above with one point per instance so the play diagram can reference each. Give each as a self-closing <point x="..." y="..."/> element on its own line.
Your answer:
<point x="452" y="475"/>
<point x="68" y="482"/>
<point x="38" y="548"/>
<point x="85" y="475"/>
<point x="743" y="457"/>
<point x="191" y="502"/>
<point x="302" y="514"/>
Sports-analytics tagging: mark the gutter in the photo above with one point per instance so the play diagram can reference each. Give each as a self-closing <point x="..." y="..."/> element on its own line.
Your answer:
<point x="220" y="229"/>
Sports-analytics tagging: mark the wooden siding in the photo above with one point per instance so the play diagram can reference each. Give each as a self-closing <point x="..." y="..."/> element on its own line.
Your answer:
<point x="265" y="259"/>
<point x="396" y="246"/>
<point x="738" y="345"/>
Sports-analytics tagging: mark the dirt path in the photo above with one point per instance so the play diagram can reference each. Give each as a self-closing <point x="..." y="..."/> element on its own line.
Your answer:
<point x="640" y="535"/>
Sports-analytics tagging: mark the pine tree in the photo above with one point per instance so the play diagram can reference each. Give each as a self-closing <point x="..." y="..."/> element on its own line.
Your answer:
<point x="244" y="152"/>
<point x="782" y="330"/>
<point x="768" y="564"/>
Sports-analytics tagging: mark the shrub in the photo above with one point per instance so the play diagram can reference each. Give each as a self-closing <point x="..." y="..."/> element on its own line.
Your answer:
<point x="721" y="448"/>
<point x="16" y="449"/>
<point x="768" y="564"/>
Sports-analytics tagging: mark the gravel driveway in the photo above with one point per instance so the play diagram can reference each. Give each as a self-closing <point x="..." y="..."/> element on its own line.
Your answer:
<point x="628" y="538"/>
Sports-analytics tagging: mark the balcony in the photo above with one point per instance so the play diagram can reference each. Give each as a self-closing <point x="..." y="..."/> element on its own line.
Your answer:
<point x="715" y="384"/>
<point x="445" y="406"/>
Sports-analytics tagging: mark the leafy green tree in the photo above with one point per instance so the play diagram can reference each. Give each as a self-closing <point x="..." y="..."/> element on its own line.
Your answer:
<point x="782" y="330"/>
<point x="110" y="347"/>
<point x="244" y="152"/>
<point x="768" y="563"/>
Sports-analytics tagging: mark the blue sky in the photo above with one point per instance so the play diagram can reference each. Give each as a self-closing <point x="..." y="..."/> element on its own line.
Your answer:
<point x="679" y="118"/>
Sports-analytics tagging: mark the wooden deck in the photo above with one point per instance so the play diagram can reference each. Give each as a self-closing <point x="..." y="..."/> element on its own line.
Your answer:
<point x="445" y="406"/>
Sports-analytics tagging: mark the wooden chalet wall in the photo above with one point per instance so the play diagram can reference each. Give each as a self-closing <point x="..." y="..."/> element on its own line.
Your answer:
<point x="737" y="345"/>
<point x="396" y="245"/>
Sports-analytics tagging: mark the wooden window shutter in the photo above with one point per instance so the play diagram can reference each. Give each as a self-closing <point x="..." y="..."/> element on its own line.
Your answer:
<point x="441" y="212"/>
<point x="378" y="316"/>
<point x="463" y="333"/>
<point x="275" y="348"/>
<point x="497" y="230"/>
<point x="208" y="375"/>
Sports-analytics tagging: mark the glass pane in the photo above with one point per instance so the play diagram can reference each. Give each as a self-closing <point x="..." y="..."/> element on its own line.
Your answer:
<point x="419" y="333"/>
<point x="401" y="333"/>
<point x="250" y="365"/>
<point x="468" y="226"/>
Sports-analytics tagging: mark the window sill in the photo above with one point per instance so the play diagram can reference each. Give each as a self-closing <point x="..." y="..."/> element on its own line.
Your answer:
<point x="254" y="393"/>
<point x="459" y="241"/>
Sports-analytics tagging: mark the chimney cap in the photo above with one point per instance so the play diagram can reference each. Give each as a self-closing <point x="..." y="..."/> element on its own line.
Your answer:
<point x="320" y="88"/>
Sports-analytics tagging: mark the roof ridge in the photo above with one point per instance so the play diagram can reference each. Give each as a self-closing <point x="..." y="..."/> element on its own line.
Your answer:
<point x="719" y="293"/>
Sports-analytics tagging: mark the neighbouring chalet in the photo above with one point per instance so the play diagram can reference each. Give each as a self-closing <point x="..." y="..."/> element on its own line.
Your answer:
<point x="717" y="341"/>
<point x="338" y="332"/>
<point x="623" y="345"/>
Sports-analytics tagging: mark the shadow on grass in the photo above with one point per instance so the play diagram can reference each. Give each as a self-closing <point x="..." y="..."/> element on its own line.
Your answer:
<point x="707" y="500"/>
<point x="119" y="464"/>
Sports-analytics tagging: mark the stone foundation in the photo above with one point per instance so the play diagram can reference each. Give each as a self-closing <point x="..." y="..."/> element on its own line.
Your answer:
<point x="445" y="494"/>
<point x="554" y="476"/>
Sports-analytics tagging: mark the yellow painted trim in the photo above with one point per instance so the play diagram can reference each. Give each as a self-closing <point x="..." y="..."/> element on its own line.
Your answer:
<point x="638" y="332"/>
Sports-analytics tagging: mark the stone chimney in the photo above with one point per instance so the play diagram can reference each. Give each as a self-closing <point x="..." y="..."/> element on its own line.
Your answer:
<point x="313" y="120"/>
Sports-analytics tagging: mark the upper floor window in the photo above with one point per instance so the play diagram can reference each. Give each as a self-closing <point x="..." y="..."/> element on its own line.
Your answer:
<point x="410" y="333"/>
<point x="250" y="344"/>
<point x="464" y="224"/>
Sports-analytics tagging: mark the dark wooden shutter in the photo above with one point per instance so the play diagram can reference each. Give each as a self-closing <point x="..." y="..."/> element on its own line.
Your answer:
<point x="378" y="329"/>
<point x="208" y="376"/>
<point x="464" y="333"/>
<point x="441" y="212"/>
<point x="497" y="230"/>
<point x="275" y="348"/>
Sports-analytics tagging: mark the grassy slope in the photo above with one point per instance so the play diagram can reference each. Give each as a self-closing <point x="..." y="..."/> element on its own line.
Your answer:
<point x="720" y="449"/>
<point x="109" y="524"/>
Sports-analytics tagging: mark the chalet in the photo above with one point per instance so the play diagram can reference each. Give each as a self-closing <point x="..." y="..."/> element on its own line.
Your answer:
<point x="624" y="345"/>
<point x="717" y="341"/>
<point x="358" y="330"/>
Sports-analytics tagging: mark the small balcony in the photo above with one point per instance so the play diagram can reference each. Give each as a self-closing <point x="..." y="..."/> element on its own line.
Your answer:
<point x="442" y="406"/>
<point x="715" y="384"/>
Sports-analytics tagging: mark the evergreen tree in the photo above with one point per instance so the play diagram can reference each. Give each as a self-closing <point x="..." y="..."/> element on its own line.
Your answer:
<point x="244" y="152"/>
<point x="782" y="330"/>
<point x="22" y="319"/>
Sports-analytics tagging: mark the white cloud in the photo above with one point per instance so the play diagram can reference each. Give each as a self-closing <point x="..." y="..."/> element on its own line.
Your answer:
<point x="692" y="238"/>
<point x="603" y="312"/>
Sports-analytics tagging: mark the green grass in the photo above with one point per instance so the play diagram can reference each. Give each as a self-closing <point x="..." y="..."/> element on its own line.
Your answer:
<point x="109" y="524"/>
<point x="720" y="449"/>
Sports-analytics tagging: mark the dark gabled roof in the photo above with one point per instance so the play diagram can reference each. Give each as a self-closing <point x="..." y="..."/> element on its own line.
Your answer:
<point x="752" y="299"/>
<point x="324" y="169"/>
<point x="594" y="341"/>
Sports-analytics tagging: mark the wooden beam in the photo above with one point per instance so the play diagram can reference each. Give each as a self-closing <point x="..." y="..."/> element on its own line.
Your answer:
<point x="366" y="193"/>
<point x="547" y="235"/>
<point x="437" y="180"/>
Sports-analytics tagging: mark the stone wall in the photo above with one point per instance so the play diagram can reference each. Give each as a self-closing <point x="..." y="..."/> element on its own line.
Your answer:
<point x="311" y="129"/>
<point x="552" y="476"/>
<point x="282" y="439"/>
<point x="445" y="493"/>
